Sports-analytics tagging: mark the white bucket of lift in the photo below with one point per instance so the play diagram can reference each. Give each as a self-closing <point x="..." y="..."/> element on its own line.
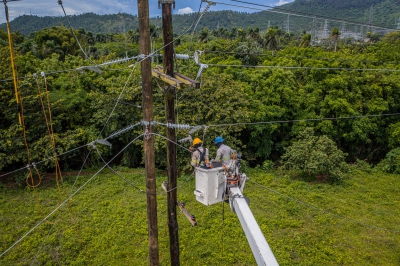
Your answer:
<point x="210" y="185"/>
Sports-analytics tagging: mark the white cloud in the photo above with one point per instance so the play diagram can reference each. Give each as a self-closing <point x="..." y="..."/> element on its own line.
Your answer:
<point x="72" y="7"/>
<point x="186" y="10"/>
<point x="281" y="2"/>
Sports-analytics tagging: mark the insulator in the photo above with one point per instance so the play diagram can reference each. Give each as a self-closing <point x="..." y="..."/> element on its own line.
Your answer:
<point x="189" y="139"/>
<point x="121" y="131"/>
<point x="182" y="56"/>
<point x="194" y="129"/>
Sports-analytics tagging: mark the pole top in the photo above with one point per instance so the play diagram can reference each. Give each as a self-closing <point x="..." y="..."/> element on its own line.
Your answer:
<point x="6" y="1"/>
<point x="161" y="2"/>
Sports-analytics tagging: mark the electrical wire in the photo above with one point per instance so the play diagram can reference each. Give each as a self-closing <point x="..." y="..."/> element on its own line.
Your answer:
<point x="310" y="15"/>
<point x="185" y="126"/>
<point x="309" y="68"/>
<point x="177" y="144"/>
<point x="187" y="179"/>
<point x="115" y="172"/>
<point x="303" y="14"/>
<point x="165" y="45"/>
<point x="80" y="69"/>
<point x="304" y="120"/>
<point x="116" y="103"/>
<point x="106" y="164"/>
<point x="47" y="74"/>
<point x="277" y="55"/>
<point x="73" y="32"/>
<point x="51" y="158"/>
<point x="65" y="201"/>
<point x="145" y="57"/>
<point x="230" y="124"/>
<point x="322" y="210"/>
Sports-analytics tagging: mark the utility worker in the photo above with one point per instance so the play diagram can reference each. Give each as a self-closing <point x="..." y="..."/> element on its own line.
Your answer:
<point x="200" y="154"/>
<point x="224" y="152"/>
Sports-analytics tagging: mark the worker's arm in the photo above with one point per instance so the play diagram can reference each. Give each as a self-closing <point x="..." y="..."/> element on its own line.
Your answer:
<point x="207" y="156"/>
<point x="195" y="159"/>
<point x="219" y="156"/>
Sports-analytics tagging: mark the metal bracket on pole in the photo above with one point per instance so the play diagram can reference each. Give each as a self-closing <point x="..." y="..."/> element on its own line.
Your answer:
<point x="161" y="2"/>
<point x="177" y="80"/>
<point x="167" y="79"/>
<point x="190" y="217"/>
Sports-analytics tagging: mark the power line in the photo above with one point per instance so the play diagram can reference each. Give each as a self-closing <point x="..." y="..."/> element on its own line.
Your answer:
<point x="115" y="172"/>
<point x="116" y="103"/>
<point x="47" y="74"/>
<point x="65" y="201"/>
<point x="73" y="33"/>
<point x="308" y="15"/>
<point x="196" y="127"/>
<point x="296" y="200"/>
<point x="142" y="59"/>
<point x="309" y="68"/>
<point x="82" y="68"/>
<point x="303" y="57"/>
<point x="304" y="120"/>
<point x="322" y="210"/>
<point x="185" y="127"/>
<point x="51" y="158"/>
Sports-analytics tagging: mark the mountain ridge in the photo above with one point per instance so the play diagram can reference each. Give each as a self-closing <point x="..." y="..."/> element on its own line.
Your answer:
<point x="293" y="17"/>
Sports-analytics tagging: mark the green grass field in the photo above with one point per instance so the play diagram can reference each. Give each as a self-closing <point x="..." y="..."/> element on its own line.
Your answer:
<point x="356" y="222"/>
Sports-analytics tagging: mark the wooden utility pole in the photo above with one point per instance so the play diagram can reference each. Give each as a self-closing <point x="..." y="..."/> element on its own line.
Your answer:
<point x="147" y="108"/>
<point x="170" y="115"/>
<point x="13" y="66"/>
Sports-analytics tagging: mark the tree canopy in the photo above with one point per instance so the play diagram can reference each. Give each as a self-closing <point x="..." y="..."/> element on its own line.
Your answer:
<point x="263" y="100"/>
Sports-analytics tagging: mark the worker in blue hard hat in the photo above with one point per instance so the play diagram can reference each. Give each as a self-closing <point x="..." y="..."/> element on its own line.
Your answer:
<point x="224" y="152"/>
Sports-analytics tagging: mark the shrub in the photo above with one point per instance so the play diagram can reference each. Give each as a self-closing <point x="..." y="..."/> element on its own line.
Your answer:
<point x="391" y="163"/>
<point x="315" y="156"/>
<point x="362" y="166"/>
<point x="267" y="165"/>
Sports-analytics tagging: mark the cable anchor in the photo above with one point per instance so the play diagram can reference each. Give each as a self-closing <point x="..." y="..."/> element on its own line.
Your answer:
<point x="31" y="166"/>
<point x="147" y="135"/>
<point x="92" y="145"/>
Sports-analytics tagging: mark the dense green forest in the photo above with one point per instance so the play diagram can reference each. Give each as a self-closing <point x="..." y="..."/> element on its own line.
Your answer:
<point x="319" y="122"/>
<point x="385" y="13"/>
<point x="343" y="89"/>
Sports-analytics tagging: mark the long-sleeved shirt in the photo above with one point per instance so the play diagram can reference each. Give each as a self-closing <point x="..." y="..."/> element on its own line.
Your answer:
<point x="223" y="154"/>
<point x="196" y="156"/>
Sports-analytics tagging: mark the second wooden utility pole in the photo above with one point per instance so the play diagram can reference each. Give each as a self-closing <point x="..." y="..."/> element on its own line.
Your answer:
<point x="147" y="108"/>
<point x="170" y="115"/>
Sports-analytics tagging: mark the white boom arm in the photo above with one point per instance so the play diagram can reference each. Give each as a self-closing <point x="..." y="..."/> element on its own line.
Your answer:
<point x="259" y="246"/>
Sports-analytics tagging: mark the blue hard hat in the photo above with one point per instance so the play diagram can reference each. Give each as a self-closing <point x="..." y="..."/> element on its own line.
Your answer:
<point x="218" y="140"/>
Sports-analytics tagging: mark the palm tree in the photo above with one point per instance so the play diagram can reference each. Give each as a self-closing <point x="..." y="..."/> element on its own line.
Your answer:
<point x="204" y="35"/>
<point x="334" y="37"/>
<point x="305" y="40"/>
<point x="249" y="52"/>
<point x="271" y="40"/>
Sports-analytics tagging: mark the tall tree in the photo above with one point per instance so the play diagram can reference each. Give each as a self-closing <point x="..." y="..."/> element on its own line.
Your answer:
<point x="271" y="40"/>
<point x="305" y="40"/>
<point x="334" y="37"/>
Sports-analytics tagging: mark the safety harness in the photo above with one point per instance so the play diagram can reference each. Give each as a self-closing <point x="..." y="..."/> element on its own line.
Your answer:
<point x="202" y="155"/>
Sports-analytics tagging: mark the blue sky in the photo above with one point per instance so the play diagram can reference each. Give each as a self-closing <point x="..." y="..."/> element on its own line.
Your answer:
<point x="75" y="7"/>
